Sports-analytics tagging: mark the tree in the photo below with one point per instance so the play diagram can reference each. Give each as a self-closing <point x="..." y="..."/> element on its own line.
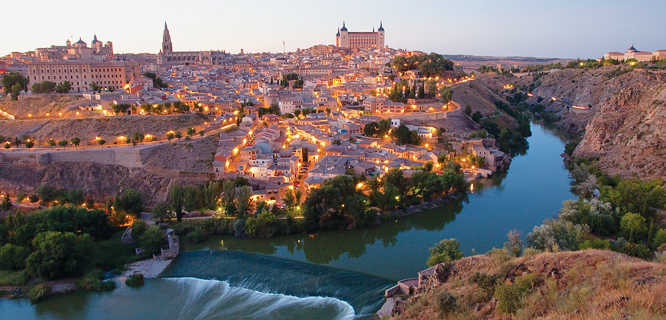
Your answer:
<point x="63" y="87"/>
<point x="170" y="135"/>
<point x="514" y="245"/>
<point x="446" y="94"/>
<point x="176" y="201"/>
<point x="557" y="234"/>
<point x="161" y="211"/>
<point x="336" y="205"/>
<point x="121" y="108"/>
<point x="190" y="131"/>
<point x="76" y="141"/>
<point x="51" y="142"/>
<point x="58" y="254"/>
<point x="43" y="87"/>
<point x="445" y="251"/>
<point x="152" y="240"/>
<point x="63" y="143"/>
<point x="129" y="201"/>
<point x="14" y="83"/>
<point x="95" y="88"/>
<point x="12" y="257"/>
<point x="633" y="225"/>
<point x="243" y="195"/>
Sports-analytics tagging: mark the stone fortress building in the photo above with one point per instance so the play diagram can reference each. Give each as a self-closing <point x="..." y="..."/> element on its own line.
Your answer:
<point x="76" y="51"/>
<point x="640" y="56"/>
<point x="360" y="40"/>
<point x="168" y="56"/>
<point x="80" y="74"/>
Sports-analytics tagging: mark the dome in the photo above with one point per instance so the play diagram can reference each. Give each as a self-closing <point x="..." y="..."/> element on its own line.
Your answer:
<point x="95" y="40"/>
<point x="344" y="27"/>
<point x="381" y="27"/>
<point x="632" y="49"/>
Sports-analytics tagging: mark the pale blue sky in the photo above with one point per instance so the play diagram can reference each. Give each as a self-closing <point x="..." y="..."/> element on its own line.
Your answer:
<point x="554" y="28"/>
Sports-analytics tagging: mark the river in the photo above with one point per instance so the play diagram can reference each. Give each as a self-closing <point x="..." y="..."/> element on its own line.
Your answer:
<point x="335" y="275"/>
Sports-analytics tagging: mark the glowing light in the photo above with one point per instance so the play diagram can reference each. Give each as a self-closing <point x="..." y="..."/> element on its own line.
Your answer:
<point x="235" y="151"/>
<point x="359" y="185"/>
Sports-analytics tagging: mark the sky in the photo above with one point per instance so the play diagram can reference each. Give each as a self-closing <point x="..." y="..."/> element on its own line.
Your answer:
<point x="535" y="28"/>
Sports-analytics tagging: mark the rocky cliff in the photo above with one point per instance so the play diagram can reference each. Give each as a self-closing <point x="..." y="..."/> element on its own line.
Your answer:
<point x="624" y="125"/>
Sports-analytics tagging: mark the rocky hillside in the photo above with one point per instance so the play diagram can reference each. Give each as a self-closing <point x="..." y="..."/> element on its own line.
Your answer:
<point x="107" y="128"/>
<point x="590" y="284"/>
<point x="625" y="126"/>
<point x="183" y="162"/>
<point x="38" y="105"/>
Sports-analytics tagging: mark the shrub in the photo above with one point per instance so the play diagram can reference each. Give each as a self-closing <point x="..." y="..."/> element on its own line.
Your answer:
<point x="659" y="238"/>
<point x="152" y="240"/>
<point x="514" y="245"/>
<point x="556" y="234"/>
<point x="444" y="251"/>
<point x="486" y="282"/>
<point x="38" y="292"/>
<point x="135" y="280"/>
<point x="93" y="281"/>
<point x="196" y="236"/>
<point x="12" y="257"/>
<point x="595" y="244"/>
<point x="510" y="296"/>
<point x="633" y="226"/>
<point x="138" y="228"/>
<point x="635" y="250"/>
<point x="446" y="302"/>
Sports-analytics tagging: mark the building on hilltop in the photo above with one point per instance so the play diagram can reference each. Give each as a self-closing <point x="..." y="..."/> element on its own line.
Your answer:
<point x="360" y="40"/>
<point x="78" y="50"/>
<point x="168" y="56"/>
<point x="640" y="56"/>
<point x="81" y="74"/>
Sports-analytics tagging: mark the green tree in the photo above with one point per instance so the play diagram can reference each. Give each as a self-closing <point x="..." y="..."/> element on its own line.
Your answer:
<point x="161" y="211"/>
<point x="43" y="87"/>
<point x="177" y="201"/>
<point x="445" y="94"/>
<point x="243" y="195"/>
<point x="633" y="225"/>
<point x="14" y="83"/>
<point x="76" y="141"/>
<point x="129" y="201"/>
<point x="64" y="87"/>
<point x="152" y="240"/>
<point x="445" y="251"/>
<point x="12" y="257"/>
<point x="63" y="143"/>
<point x="190" y="131"/>
<point x="58" y="254"/>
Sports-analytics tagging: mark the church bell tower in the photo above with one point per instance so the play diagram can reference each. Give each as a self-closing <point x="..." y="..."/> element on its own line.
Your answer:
<point x="166" y="41"/>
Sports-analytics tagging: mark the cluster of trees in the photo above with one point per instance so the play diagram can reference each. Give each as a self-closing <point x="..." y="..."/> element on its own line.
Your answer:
<point x="401" y="135"/>
<point x="162" y="108"/>
<point x="48" y="194"/>
<point x="622" y="210"/>
<point x="14" y="83"/>
<point x="188" y="198"/>
<point x="157" y="81"/>
<point x="429" y="65"/>
<point x="52" y="243"/>
<point x="25" y="140"/>
<point x="510" y="140"/>
<point x="48" y="87"/>
<point x="377" y="129"/>
<point x="273" y="109"/>
<point x="402" y="91"/>
<point x="346" y="202"/>
<point x="298" y="82"/>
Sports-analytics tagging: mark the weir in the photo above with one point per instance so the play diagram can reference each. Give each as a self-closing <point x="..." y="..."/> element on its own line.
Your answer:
<point x="275" y="275"/>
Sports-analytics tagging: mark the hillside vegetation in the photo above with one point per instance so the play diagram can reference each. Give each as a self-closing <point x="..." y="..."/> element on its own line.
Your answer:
<point x="589" y="284"/>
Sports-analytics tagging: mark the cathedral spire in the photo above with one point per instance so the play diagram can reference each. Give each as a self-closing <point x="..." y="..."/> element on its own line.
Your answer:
<point x="167" y="47"/>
